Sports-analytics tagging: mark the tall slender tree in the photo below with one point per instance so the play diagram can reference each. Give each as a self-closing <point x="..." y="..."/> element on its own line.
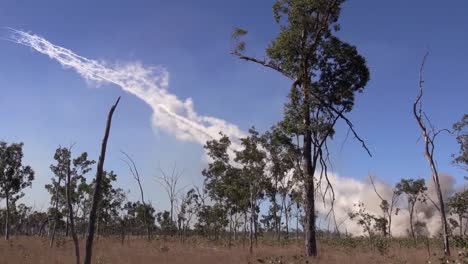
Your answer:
<point x="429" y="134"/>
<point x="14" y="177"/>
<point x="325" y="73"/>
<point x="461" y="129"/>
<point x="252" y="159"/>
<point x="414" y="192"/>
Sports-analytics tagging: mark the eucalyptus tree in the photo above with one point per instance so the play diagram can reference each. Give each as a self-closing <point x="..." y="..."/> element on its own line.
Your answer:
<point x="14" y="177"/>
<point x="458" y="205"/>
<point x="461" y="128"/>
<point x="224" y="183"/>
<point x="188" y="209"/>
<point x="136" y="216"/>
<point x="414" y="191"/>
<point x="280" y="161"/>
<point x="253" y="161"/>
<point x="111" y="202"/>
<point x="387" y="208"/>
<point x="73" y="172"/>
<point x="325" y="73"/>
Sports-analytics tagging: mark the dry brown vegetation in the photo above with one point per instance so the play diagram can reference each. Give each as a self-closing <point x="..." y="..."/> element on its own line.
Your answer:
<point x="108" y="250"/>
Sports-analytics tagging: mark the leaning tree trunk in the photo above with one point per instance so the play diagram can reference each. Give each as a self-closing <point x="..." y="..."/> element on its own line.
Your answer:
<point x="71" y="219"/>
<point x="97" y="188"/>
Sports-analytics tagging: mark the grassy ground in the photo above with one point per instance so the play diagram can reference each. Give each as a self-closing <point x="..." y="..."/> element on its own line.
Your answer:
<point x="107" y="250"/>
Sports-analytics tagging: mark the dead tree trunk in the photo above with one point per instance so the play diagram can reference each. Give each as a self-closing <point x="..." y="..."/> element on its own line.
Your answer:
<point x="71" y="219"/>
<point x="136" y="175"/>
<point x="429" y="137"/>
<point x="97" y="188"/>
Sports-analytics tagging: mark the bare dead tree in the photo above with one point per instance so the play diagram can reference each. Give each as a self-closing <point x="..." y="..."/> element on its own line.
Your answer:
<point x="97" y="188"/>
<point x="170" y="185"/>
<point x="429" y="135"/>
<point x="386" y="207"/>
<point x="70" y="210"/>
<point x="136" y="175"/>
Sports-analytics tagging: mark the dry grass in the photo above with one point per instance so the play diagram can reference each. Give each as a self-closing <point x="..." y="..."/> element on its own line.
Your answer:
<point x="36" y="250"/>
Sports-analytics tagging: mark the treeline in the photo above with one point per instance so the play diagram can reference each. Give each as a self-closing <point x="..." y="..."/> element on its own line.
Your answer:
<point x="266" y="168"/>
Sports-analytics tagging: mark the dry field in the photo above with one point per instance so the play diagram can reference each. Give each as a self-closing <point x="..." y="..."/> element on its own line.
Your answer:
<point x="36" y="250"/>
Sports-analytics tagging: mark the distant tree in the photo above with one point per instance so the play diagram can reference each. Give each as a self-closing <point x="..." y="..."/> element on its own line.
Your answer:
<point x="281" y="160"/>
<point x="458" y="205"/>
<point x="136" y="175"/>
<point x="73" y="172"/>
<point x="212" y="219"/>
<point x="167" y="226"/>
<point x="387" y="208"/>
<point x="325" y="73"/>
<point x="461" y="128"/>
<point x="170" y="183"/>
<point x="253" y="161"/>
<point x="414" y="191"/>
<point x="224" y="183"/>
<point x="188" y="209"/>
<point x="111" y="202"/>
<point x="364" y="219"/>
<point x="136" y="216"/>
<point x="14" y="177"/>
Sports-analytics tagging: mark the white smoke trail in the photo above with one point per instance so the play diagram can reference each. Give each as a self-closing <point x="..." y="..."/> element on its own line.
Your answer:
<point x="147" y="83"/>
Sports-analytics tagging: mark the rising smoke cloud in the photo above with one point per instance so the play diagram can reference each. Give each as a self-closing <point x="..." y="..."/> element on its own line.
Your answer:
<point x="349" y="192"/>
<point x="150" y="84"/>
<point x="178" y="117"/>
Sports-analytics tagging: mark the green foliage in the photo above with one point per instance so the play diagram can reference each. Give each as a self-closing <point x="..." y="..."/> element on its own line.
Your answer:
<point x="168" y="227"/>
<point x="133" y="215"/>
<point x="14" y="177"/>
<point x="211" y="220"/>
<point x="413" y="189"/>
<point x="461" y="128"/>
<point x="364" y="219"/>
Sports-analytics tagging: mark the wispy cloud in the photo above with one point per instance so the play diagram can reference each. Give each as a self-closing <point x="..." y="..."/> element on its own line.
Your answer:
<point x="150" y="84"/>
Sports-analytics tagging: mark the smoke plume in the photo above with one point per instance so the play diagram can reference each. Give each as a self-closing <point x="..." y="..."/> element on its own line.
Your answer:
<point x="350" y="192"/>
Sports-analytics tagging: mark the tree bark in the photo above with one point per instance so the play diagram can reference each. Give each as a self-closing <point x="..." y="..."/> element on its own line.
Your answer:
<point x="251" y="220"/>
<point x="309" y="201"/>
<point x="97" y="189"/>
<point x="7" y="216"/>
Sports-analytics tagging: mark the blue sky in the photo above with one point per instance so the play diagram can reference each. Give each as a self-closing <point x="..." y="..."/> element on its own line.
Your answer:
<point x="44" y="105"/>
